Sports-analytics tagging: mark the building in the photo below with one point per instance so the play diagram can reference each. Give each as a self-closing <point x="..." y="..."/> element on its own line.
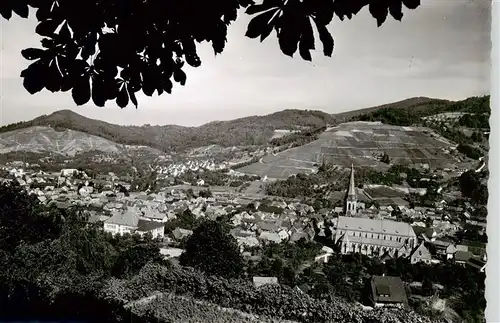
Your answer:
<point x="350" y="204"/>
<point x="388" y="291"/>
<point x="130" y="222"/>
<point x="374" y="237"/>
<point x="421" y="254"/>
<point x="261" y="281"/>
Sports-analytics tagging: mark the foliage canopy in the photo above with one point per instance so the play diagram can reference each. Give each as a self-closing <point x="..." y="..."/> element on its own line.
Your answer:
<point x="155" y="39"/>
<point x="213" y="250"/>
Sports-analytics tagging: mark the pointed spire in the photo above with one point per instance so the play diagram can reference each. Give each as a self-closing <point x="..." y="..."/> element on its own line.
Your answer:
<point x="352" y="190"/>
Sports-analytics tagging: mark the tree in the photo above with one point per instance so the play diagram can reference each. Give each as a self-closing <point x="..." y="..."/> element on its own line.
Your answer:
<point x="427" y="287"/>
<point x="156" y="39"/>
<point x="133" y="259"/>
<point x="213" y="250"/>
<point x="385" y="159"/>
<point x="23" y="219"/>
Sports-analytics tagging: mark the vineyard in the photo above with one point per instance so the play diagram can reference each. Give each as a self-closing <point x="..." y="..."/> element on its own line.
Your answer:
<point x="276" y="301"/>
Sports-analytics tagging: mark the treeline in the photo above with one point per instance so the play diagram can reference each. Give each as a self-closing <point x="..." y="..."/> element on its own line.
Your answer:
<point x="469" y="151"/>
<point x="330" y="179"/>
<point x="476" y="121"/>
<point x="298" y="138"/>
<point x="406" y="116"/>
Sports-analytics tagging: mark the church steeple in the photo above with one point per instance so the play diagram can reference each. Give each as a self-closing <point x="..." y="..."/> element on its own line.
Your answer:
<point x="352" y="187"/>
<point x="351" y="199"/>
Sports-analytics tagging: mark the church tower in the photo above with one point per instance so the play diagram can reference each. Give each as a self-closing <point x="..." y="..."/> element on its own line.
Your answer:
<point x="351" y="199"/>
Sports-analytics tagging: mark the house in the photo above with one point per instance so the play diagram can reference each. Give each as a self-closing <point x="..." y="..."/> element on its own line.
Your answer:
<point x="270" y="237"/>
<point x="441" y="246"/>
<point x="462" y="257"/>
<point x="180" y="233"/>
<point x="324" y="256"/>
<point x="421" y="254"/>
<point x="129" y="222"/>
<point x="477" y="263"/>
<point x="261" y="281"/>
<point x="157" y="229"/>
<point x="121" y="223"/>
<point x="450" y="251"/>
<point x="388" y="291"/>
<point x="169" y="253"/>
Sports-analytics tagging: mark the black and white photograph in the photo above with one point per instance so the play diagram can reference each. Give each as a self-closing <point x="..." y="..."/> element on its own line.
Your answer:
<point x="247" y="161"/>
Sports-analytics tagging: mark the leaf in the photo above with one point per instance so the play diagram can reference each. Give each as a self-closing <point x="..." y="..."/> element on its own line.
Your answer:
<point x="21" y="9"/>
<point x="179" y="76"/>
<point x="122" y="98"/>
<point x="32" y="53"/>
<point x="259" y="24"/>
<point x="166" y="85"/>
<point x="98" y="96"/>
<point x="47" y="42"/>
<point x="132" y="97"/>
<point x="219" y="41"/>
<point x="326" y="39"/>
<point x="52" y="78"/>
<point x="266" y="5"/>
<point x="411" y="4"/>
<point x="307" y="40"/>
<point x="6" y="13"/>
<point x="81" y="91"/>
<point x="396" y="9"/>
<point x="379" y="11"/>
<point x="149" y="80"/>
<point x="33" y="81"/>
<point x="193" y="60"/>
<point x="47" y="27"/>
<point x="64" y="32"/>
<point x="289" y="36"/>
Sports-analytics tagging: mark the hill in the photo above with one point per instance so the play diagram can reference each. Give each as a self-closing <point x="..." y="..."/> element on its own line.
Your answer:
<point x="33" y="143"/>
<point x="361" y="144"/>
<point x="416" y="105"/>
<point x="253" y="130"/>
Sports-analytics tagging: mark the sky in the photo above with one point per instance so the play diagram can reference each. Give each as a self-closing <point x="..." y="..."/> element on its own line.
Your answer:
<point x="440" y="50"/>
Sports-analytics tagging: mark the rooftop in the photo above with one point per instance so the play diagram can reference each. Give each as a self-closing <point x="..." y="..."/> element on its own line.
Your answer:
<point x="388" y="289"/>
<point x="375" y="226"/>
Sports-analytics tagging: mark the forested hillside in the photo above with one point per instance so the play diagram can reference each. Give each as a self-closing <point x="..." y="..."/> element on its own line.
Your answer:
<point x="253" y="130"/>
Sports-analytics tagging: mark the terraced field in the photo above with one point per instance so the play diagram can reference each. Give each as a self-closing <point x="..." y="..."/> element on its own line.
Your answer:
<point x="67" y="142"/>
<point x="361" y="144"/>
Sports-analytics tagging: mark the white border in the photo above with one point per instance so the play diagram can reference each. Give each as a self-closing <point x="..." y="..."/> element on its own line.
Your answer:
<point x="492" y="268"/>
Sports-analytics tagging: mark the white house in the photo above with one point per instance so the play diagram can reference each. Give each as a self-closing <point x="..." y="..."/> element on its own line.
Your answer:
<point x="130" y="222"/>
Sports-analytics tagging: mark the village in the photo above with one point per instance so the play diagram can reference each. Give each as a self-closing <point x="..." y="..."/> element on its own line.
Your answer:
<point x="427" y="235"/>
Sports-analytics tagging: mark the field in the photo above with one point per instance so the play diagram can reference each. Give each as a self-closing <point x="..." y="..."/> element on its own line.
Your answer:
<point x="361" y="144"/>
<point x="67" y="143"/>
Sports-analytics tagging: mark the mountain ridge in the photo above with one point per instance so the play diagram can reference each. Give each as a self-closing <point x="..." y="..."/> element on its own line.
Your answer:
<point x="251" y="130"/>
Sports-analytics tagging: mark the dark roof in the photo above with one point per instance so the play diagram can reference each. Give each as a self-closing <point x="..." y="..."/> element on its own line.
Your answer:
<point x="388" y="289"/>
<point x="462" y="255"/>
<point x="146" y="226"/>
<point x="476" y="263"/>
<point x="418" y="229"/>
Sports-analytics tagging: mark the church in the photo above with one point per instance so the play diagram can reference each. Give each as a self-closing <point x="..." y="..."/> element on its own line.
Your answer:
<point x="372" y="237"/>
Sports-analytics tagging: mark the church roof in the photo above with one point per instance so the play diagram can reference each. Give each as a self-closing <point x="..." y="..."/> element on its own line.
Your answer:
<point x="352" y="187"/>
<point x="375" y="226"/>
